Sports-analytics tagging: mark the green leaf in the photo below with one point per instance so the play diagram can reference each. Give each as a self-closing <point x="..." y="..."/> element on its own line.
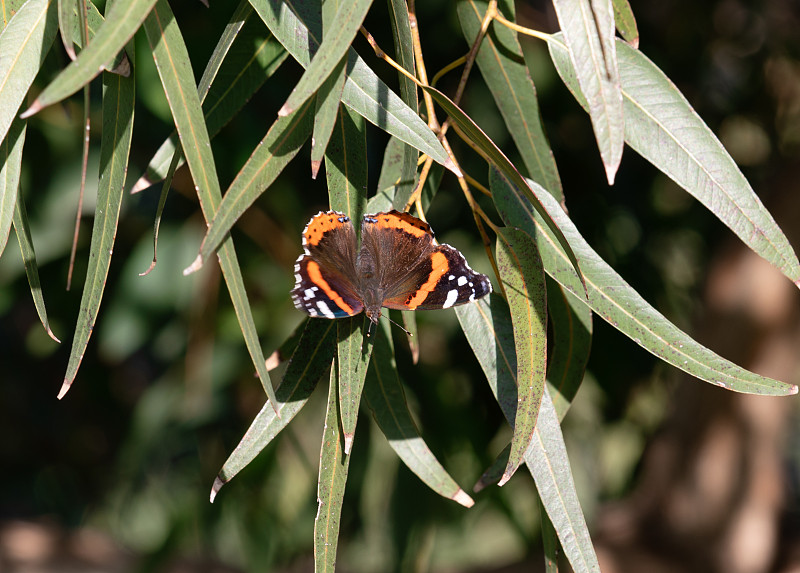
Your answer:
<point x="664" y="129"/>
<point x="496" y="157"/>
<point x="588" y="28"/>
<point x="385" y="398"/>
<point x="335" y="45"/>
<point x="175" y="71"/>
<point x="487" y="325"/>
<point x="122" y="21"/>
<point x="550" y="544"/>
<point x="333" y="465"/>
<point x="311" y="358"/>
<point x="625" y="22"/>
<point x="363" y="92"/>
<point x="506" y="75"/>
<point x="619" y="304"/>
<point x="244" y="58"/>
<point x="571" y="321"/>
<point x="523" y="280"/>
<point x="353" y="360"/>
<point x="67" y="21"/>
<point x="346" y="167"/>
<point x="10" y="167"/>
<point x="327" y="103"/>
<point x="24" y="43"/>
<point x="393" y="186"/>
<point x="279" y="146"/>
<point x="404" y="55"/>
<point x="119" y="97"/>
<point x="549" y="465"/>
<point x="22" y="229"/>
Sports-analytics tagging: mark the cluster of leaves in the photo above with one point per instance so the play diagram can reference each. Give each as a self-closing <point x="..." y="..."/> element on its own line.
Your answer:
<point x="546" y="271"/>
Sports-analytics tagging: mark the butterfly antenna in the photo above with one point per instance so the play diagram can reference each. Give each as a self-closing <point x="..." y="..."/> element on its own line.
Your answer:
<point x="400" y="327"/>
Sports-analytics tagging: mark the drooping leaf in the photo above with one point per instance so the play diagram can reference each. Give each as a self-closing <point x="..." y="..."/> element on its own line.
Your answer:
<point x="353" y="360"/>
<point x="119" y="98"/>
<point x="10" y="166"/>
<point x="664" y="129"/>
<point x="363" y="92"/>
<point x="502" y="67"/>
<point x="175" y="71"/>
<point x="523" y="280"/>
<point x="24" y="43"/>
<point x="122" y="21"/>
<point x="311" y="359"/>
<point x="619" y="304"/>
<point x="333" y="466"/>
<point x="244" y="58"/>
<point x="346" y="167"/>
<point x="383" y="392"/>
<point x="625" y="22"/>
<point x="588" y="29"/>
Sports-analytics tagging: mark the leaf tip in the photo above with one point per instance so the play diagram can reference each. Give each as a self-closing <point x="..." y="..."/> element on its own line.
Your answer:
<point x="218" y="483"/>
<point x="348" y="443"/>
<point x="143" y="183"/>
<point x="195" y="266"/>
<point x="64" y="388"/>
<point x="51" y="335"/>
<point x="315" y="165"/>
<point x="36" y="106"/>
<point x="461" y="497"/>
<point x="285" y="110"/>
<point x="453" y="167"/>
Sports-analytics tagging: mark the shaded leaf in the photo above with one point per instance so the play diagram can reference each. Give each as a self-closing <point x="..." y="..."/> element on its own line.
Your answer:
<point x="385" y="398"/>
<point x="279" y="146"/>
<point x="175" y="71"/>
<point x="506" y="75"/>
<point x="333" y="465"/>
<point x="625" y="22"/>
<point x="363" y="92"/>
<point x="310" y="360"/>
<point x="346" y="167"/>
<point x="244" y="58"/>
<point x="119" y="97"/>
<point x="523" y="280"/>
<point x="327" y="104"/>
<point x="10" y="167"/>
<point x="353" y="359"/>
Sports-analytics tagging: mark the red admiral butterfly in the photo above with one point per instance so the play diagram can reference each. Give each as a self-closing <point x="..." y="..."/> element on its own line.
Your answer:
<point x="397" y="266"/>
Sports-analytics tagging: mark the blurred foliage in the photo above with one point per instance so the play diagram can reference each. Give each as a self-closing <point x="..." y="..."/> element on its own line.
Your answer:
<point x="166" y="387"/>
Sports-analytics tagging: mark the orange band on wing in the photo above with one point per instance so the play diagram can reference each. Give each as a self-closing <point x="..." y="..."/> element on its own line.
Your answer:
<point x="404" y="222"/>
<point x="439" y="267"/>
<point x="316" y="277"/>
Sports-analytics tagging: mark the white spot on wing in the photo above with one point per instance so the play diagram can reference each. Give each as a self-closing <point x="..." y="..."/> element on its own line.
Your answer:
<point x="462" y="280"/>
<point x="451" y="298"/>
<point x="324" y="310"/>
<point x="309" y="292"/>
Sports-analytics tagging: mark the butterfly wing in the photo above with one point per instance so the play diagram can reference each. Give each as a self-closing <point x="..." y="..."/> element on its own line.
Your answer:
<point x="324" y="272"/>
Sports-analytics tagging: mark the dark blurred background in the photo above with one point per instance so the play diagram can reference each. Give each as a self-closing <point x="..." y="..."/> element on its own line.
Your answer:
<point x="674" y="475"/>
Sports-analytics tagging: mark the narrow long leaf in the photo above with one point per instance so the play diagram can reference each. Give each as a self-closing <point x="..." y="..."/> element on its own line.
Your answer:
<point x="10" y="167"/>
<point x="311" y="358"/>
<point x="119" y="64"/>
<point x="279" y="146"/>
<point x="487" y="325"/>
<point x="353" y="360"/>
<point x="122" y="21"/>
<point x="67" y="20"/>
<point x="588" y="28"/>
<point x="571" y="321"/>
<point x="327" y="102"/>
<point x="501" y="162"/>
<point x="619" y="304"/>
<point x="664" y="129"/>
<point x="385" y="398"/>
<point x="502" y="67"/>
<point x="626" y="22"/>
<point x="363" y="92"/>
<point x="245" y="56"/>
<point x="118" y="103"/>
<point x="175" y="71"/>
<point x="24" y="43"/>
<point x="549" y="465"/>
<point x="346" y="167"/>
<point x="333" y="465"/>
<point x="404" y="55"/>
<point x="335" y="45"/>
<point x="23" y="232"/>
<point x="523" y="278"/>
